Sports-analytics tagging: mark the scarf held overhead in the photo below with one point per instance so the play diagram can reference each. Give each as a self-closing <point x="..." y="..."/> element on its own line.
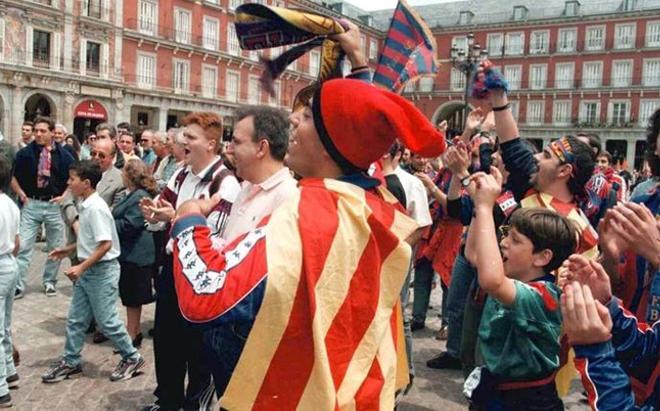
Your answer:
<point x="328" y="334"/>
<point x="262" y="27"/>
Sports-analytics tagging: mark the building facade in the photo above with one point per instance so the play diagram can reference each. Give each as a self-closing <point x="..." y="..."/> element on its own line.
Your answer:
<point x="572" y="66"/>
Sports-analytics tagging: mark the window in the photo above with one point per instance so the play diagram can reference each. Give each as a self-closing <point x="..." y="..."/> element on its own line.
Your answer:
<point x="515" y="109"/>
<point x="91" y="8"/>
<point x="628" y="5"/>
<point x="146" y="70"/>
<point x="148" y="17"/>
<point x="210" y="40"/>
<point x="513" y="74"/>
<point x="595" y="38"/>
<point x="519" y="12"/>
<point x="410" y="87"/>
<point x="233" y="4"/>
<point x="182" y="26"/>
<point x="566" y="42"/>
<point x="537" y="76"/>
<point x="93" y="58"/>
<point x="539" y="42"/>
<point x="363" y="44"/>
<point x="564" y="73"/>
<point x="465" y="18"/>
<point x="457" y="80"/>
<point x="314" y="62"/>
<point x="233" y="47"/>
<point x="562" y="113"/>
<point x="592" y="74"/>
<point x="535" y="110"/>
<point x="253" y="55"/>
<point x="181" y="76"/>
<point x="624" y="36"/>
<point x="571" y="8"/>
<point x="253" y="90"/>
<point x="653" y="34"/>
<point x="651" y="75"/>
<point x="646" y="109"/>
<point x="231" y="90"/>
<point x="460" y="42"/>
<point x="41" y="48"/>
<point x="209" y="81"/>
<point x="590" y="112"/>
<point x="494" y="44"/>
<point x="621" y="73"/>
<point x="426" y="84"/>
<point x="515" y="44"/>
<point x="373" y="49"/>
<point x="619" y="112"/>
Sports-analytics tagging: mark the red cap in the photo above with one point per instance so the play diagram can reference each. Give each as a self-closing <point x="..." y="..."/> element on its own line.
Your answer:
<point x="357" y="123"/>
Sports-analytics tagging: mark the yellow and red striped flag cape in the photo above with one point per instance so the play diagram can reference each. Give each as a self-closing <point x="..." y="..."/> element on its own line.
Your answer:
<point x="328" y="334"/>
<point x="587" y="246"/>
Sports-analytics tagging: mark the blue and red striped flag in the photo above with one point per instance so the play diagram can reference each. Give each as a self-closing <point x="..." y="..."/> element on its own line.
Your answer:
<point x="409" y="50"/>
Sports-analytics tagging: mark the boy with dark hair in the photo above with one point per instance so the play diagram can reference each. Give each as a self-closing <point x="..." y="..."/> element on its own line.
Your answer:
<point x="521" y="322"/>
<point x="95" y="280"/>
<point x="9" y="243"/>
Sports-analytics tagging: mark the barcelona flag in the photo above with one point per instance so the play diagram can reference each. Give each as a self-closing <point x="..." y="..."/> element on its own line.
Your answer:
<point x="408" y="52"/>
<point x="330" y="262"/>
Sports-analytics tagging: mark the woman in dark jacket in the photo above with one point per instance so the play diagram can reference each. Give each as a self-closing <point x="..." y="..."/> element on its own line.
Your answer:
<point x="137" y="245"/>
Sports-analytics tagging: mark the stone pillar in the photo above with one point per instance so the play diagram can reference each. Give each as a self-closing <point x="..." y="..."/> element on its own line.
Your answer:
<point x="162" y="119"/>
<point x="17" y="110"/>
<point x="630" y="153"/>
<point x="67" y="111"/>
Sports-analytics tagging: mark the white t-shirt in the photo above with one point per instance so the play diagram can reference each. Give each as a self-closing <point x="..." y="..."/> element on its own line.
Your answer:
<point x="417" y="201"/>
<point x="96" y="225"/>
<point x="10" y="218"/>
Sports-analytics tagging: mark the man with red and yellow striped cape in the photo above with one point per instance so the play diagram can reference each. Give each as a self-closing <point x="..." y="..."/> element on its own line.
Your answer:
<point x="309" y="300"/>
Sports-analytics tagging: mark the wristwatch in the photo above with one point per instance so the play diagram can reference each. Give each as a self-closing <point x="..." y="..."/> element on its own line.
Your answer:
<point x="465" y="181"/>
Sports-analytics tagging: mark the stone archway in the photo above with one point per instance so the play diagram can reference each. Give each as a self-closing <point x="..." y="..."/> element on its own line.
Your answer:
<point x="39" y="104"/>
<point x="452" y="111"/>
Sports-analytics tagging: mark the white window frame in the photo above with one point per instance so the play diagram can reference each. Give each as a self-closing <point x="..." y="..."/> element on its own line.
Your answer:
<point x="646" y="108"/>
<point x="535" y="83"/>
<point x="587" y="40"/>
<point x="565" y="48"/>
<point x="586" y="82"/>
<point x="233" y="46"/>
<point x="233" y="4"/>
<point x="373" y="49"/>
<point x="513" y="85"/>
<point x="426" y="84"/>
<point x="314" y="62"/>
<point x="515" y="109"/>
<point x="583" y="112"/>
<point x="489" y="45"/>
<point x="150" y="82"/>
<point x="627" y="82"/>
<point x="185" y="87"/>
<point x="235" y="96"/>
<point x="573" y="10"/>
<point x="254" y="95"/>
<point x="618" y="40"/>
<point x="148" y="24"/>
<point x="208" y="90"/>
<point x="647" y="79"/>
<point x="556" y="120"/>
<point x="209" y="41"/>
<point x="509" y="51"/>
<point x="519" y="13"/>
<point x="533" y="121"/>
<point x="652" y="28"/>
<point x="610" y="111"/>
<point x="546" y="43"/>
<point x="460" y="42"/>
<point x="457" y="80"/>
<point x="182" y="34"/>
<point x="561" y="82"/>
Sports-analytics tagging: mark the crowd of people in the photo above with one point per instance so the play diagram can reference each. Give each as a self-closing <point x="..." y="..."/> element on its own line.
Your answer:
<point x="281" y="263"/>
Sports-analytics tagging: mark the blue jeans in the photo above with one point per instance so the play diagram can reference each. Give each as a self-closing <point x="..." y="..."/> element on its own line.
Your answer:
<point x="423" y="284"/>
<point x="8" y="279"/>
<point x="33" y="214"/>
<point x="95" y="295"/>
<point x="461" y="278"/>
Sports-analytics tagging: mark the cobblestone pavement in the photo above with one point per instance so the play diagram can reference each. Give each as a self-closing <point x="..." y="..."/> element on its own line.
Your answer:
<point x="38" y="329"/>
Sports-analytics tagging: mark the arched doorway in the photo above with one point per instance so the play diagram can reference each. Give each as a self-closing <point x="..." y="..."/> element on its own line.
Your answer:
<point x="87" y="115"/>
<point x="453" y="112"/>
<point x="39" y="105"/>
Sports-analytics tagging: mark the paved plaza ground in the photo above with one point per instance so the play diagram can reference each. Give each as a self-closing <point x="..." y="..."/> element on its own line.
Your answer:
<point x="39" y="334"/>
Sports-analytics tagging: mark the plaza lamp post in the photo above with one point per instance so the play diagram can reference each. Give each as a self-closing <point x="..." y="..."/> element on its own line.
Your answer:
<point x="465" y="60"/>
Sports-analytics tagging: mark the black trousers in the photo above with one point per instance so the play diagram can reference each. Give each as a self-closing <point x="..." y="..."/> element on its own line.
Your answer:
<point x="177" y="351"/>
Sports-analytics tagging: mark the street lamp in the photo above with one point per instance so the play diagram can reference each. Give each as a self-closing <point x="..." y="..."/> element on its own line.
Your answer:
<point x="465" y="60"/>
